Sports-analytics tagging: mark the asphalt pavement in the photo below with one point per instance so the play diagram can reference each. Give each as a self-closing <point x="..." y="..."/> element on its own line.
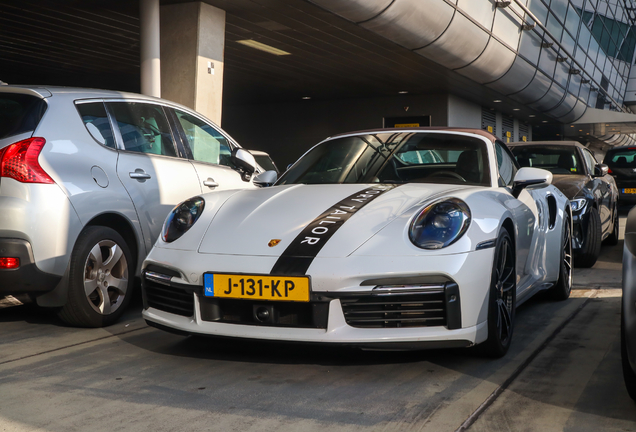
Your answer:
<point x="562" y="373"/>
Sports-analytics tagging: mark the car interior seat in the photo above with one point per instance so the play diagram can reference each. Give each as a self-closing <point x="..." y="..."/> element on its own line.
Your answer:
<point x="621" y="161"/>
<point x="566" y="162"/>
<point x="468" y="166"/>
<point x="524" y="161"/>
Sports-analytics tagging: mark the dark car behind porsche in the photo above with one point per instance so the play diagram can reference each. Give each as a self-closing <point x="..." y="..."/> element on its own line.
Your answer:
<point x="622" y="166"/>
<point x="586" y="183"/>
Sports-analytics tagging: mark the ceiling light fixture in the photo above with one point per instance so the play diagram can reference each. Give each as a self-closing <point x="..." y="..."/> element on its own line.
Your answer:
<point x="306" y="97"/>
<point x="497" y="100"/>
<point x="516" y="109"/>
<point x="262" y="47"/>
<point x="403" y="92"/>
<point x="532" y="115"/>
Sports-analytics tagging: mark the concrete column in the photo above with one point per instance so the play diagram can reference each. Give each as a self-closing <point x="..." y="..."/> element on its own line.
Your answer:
<point x="192" y="47"/>
<point x="150" y="47"/>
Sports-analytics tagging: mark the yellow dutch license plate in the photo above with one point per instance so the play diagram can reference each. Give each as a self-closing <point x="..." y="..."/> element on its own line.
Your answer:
<point x="630" y="190"/>
<point x="256" y="287"/>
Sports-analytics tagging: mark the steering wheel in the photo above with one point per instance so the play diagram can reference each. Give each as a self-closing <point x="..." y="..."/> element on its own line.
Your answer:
<point x="448" y="174"/>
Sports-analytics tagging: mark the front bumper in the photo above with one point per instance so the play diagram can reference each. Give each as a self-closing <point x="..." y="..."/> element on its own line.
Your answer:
<point x="334" y="283"/>
<point x="27" y="278"/>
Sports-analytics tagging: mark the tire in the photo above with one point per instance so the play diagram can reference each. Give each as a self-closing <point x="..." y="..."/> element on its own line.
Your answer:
<point x="563" y="287"/>
<point x="629" y="376"/>
<point x="502" y="299"/>
<point x="612" y="239"/>
<point x="591" y="249"/>
<point x="101" y="267"/>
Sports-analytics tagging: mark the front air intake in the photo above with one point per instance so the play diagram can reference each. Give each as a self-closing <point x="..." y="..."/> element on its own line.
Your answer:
<point x="391" y="311"/>
<point x="168" y="298"/>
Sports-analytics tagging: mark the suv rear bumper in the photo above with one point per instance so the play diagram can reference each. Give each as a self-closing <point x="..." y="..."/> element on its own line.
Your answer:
<point x="26" y="279"/>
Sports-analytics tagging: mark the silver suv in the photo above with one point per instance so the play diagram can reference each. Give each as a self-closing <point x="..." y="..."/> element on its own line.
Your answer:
<point x="87" y="178"/>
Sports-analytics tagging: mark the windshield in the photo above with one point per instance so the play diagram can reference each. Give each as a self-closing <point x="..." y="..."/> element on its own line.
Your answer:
<point x="556" y="159"/>
<point x="394" y="158"/>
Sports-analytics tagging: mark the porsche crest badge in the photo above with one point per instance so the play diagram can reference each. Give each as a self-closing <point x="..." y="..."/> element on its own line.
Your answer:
<point x="273" y="242"/>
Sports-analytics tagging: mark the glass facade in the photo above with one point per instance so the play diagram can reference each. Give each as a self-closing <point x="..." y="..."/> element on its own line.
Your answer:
<point x="558" y="57"/>
<point x="598" y="34"/>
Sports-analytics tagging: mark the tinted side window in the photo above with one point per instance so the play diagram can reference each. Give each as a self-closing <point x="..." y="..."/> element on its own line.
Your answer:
<point x="96" y="121"/>
<point x="590" y="161"/>
<point x="207" y="144"/>
<point x="19" y="113"/>
<point x="507" y="167"/>
<point x="144" y="128"/>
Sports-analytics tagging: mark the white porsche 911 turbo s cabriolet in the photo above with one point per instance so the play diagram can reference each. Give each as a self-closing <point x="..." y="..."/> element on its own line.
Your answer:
<point x="385" y="239"/>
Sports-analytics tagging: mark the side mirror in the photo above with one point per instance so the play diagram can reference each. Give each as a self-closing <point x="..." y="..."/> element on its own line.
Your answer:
<point x="245" y="161"/>
<point x="266" y="178"/>
<point x="600" y="170"/>
<point x="530" y="177"/>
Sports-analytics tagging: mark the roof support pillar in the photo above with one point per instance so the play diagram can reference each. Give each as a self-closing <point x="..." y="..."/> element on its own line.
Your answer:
<point x="192" y="46"/>
<point x="150" y="48"/>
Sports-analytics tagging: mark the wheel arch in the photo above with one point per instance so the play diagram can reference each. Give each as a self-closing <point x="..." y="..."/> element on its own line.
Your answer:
<point x="510" y="226"/>
<point x="125" y="228"/>
<point x="115" y="221"/>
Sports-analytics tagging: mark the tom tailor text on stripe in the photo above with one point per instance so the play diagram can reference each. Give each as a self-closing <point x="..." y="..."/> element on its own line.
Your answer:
<point x="298" y="256"/>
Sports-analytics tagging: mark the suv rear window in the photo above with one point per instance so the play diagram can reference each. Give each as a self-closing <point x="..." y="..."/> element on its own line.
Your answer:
<point x="19" y="113"/>
<point x="621" y="158"/>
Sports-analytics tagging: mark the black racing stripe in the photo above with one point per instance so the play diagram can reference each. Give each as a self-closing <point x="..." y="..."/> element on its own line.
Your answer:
<point x="299" y="255"/>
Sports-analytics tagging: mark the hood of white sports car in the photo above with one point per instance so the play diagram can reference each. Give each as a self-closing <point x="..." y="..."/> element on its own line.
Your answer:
<point x="338" y="217"/>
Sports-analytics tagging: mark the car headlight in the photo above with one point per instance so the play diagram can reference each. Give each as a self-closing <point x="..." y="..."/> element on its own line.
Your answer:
<point x="440" y="224"/>
<point x="181" y="219"/>
<point x="578" y="204"/>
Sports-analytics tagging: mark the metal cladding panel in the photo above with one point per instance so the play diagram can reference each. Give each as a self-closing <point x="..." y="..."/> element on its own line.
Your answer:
<point x="537" y="88"/>
<point x="409" y="24"/>
<point x="577" y="112"/>
<point x="524" y="129"/>
<point x="481" y="11"/>
<point x="530" y="46"/>
<point x="507" y="128"/>
<point x="492" y="64"/>
<point x="507" y="27"/>
<point x="564" y="108"/>
<point x="516" y="79"/>
<point x="550" y="100"/>
<point x="488" y="120"/>
<point x="354" y="10"/>
<point x="459" y="45"/>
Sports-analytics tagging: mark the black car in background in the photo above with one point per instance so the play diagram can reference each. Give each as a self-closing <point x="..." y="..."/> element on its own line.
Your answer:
<point x="622" y="166"/>
<point x="592" y="192"/>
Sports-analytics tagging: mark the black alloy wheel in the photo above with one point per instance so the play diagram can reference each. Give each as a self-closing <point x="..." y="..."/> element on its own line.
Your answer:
<point x="591" y="248"/>
<point x="563" y="287"/>
<point x="502" y="299"/>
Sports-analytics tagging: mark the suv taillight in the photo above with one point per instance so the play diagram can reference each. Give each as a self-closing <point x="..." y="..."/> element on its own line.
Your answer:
<point x="20" y="161"/>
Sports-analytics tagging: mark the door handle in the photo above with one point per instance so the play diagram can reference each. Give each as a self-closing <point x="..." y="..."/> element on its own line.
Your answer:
<point x="210" y="183"/>
<point x="139" y="174"/>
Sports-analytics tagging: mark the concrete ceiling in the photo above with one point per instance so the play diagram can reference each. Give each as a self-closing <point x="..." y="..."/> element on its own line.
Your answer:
<point x="96" y="44"/>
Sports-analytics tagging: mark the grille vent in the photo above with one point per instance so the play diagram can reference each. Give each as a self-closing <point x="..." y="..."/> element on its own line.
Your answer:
<point x="389" y="311"/>
<point x="488" y="119"/>
<point x="169" y="299"/>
